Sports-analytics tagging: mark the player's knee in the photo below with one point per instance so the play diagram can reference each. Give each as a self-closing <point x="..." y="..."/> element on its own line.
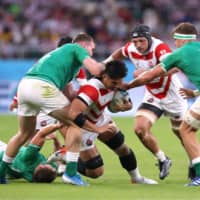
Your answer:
<point x="116" y="141"/>
<point x="122" y="150"/>
<point x="93" y="168"/>
<point x="140" y="131"/>
<point x="95" y="173"/>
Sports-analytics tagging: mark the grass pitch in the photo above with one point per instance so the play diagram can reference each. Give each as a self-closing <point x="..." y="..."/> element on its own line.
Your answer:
<point x="115" y="183"/>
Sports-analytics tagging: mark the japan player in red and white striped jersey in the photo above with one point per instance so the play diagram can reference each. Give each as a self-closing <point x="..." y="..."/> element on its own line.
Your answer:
<point x="161" y="95"/>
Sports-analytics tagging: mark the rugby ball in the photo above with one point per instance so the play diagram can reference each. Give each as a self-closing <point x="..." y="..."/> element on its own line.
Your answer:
<point x="119" y="98"/>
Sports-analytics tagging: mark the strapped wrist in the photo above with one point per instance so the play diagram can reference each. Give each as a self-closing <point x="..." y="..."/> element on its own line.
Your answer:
<point x="196" y="93"/>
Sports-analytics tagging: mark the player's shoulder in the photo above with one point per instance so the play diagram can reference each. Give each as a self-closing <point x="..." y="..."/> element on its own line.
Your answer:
<point x="157" y="42"/>
<point x="95" y="82"/>
<point x="160" y="47"/>
<point x="92" y="86"/>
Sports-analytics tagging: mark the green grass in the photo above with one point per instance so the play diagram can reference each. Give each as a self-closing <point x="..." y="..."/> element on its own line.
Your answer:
<point x="115" y="183"/>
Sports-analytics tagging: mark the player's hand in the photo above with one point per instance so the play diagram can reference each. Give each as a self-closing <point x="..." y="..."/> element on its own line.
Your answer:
<point x="124" y="86"/>
<point x="52" y="136"/>
<point x="13" y="105"/>
<point x="109" y="128"/>
<point x="127" y="105"/>
<point x="186" y="93"/>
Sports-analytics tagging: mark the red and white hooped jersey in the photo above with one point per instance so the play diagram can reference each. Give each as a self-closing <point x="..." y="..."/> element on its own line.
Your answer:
<point x="81" y="76"/>
<point x="159" y="50"/>
<point x="97" y="97"/>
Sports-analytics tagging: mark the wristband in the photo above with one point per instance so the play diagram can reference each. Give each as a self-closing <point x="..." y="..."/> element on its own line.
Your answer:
<point x="196" y="93"/>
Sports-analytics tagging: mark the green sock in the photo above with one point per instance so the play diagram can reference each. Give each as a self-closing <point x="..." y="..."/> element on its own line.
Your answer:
<point x="71" y="168"/>
<point x="197" y="169"/>
<point x="3" y="168"/>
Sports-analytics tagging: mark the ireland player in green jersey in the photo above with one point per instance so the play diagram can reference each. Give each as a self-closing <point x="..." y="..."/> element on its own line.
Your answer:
<point x="40" y="90"/>
<point x="187" y="59"/>
<point x="29" y="163"/>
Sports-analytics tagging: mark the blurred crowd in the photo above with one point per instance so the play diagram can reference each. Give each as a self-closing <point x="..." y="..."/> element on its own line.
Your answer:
<point x="30" y="28"/>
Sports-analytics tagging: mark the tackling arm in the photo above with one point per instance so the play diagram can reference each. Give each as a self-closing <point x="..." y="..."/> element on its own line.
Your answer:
<point x="94" y="67"/>
<point x="40" y="136"/>
<point x="147" y="77"/>
<point x="76" y="111"/>
<point x="116" y="55"/>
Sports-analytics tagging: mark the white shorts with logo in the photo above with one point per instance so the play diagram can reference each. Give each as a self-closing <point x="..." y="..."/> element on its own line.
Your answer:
<point x="173" y="105"/>
<point x="44" y="120"/>
<point x="89" y="138"/>
<point x="37" y="95"/>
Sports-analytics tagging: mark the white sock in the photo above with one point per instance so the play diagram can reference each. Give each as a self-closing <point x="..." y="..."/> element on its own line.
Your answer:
<point x="195" y="161"/>
<point x="135" y="174"/>
<point x="71" y="156"/>
<point x="160" y="155"/>
<point x="7" y="159"/>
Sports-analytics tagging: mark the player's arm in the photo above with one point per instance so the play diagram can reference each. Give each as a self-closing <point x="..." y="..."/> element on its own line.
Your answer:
<point x="147" y="77"/>
<point x="69" y="91"/>
<point x="94" y="67"/>
<point x="189" y="93"/>
<point x="116" y="55"/>
<point x="40" y="136"/>
<point x="14" y="104"/>
<point x="76" y="112"/>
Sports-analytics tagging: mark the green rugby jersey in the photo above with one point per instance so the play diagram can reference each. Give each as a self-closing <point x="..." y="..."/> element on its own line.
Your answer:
<point x="187" y="59"/>
<point x="59" y="66"/>
<point x="24" y="164"/>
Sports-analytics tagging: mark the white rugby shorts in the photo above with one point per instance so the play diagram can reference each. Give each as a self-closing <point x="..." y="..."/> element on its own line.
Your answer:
<point x="37" y="95"/>
<point x="89" y="138"/>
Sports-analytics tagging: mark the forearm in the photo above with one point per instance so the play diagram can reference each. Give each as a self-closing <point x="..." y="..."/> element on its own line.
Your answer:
<point x="90" y="126"/>
<point x="142" y="79"/>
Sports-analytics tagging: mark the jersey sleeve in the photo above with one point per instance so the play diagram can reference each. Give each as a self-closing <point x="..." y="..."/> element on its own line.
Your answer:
<point x="31" y="152"/>
<point x="88" y="93"/>
<point x="81" y="77"/>
<point x="81" y="53"/>
<point x="172" y="60"/>
<point x="162" y="51"/>
<point x="125" y="49"/>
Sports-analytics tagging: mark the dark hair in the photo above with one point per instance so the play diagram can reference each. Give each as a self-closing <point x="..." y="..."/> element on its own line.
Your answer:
<point x="115" y="69"/>
<point x="185" y="28"/>
<point x="83" y="37"/>
<point x="44" y="175"/>
<point x="64" y="40"/>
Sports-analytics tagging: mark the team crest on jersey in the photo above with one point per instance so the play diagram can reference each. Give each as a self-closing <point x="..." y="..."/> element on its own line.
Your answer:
<point x="150" y="100"/>
<point x="43" y="123"/>
<point x="150" y="63"/>
<point x="89" y="142"/>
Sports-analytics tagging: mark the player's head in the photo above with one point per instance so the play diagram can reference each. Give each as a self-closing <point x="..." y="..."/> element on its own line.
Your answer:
<point x="64" y="40"/>
<point x="183" y="33"/>
<point x="141" y="37"/>
<point x="85" y="41"/>
<point x="44" y="173"/>
<point x="113" y="74"/>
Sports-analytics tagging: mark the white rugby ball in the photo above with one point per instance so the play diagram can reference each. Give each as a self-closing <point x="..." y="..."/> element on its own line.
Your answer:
<point x="119" y="98"/>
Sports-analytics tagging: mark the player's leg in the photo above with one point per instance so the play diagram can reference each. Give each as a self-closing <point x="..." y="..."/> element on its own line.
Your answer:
<point x="26" y="118"/>
<point x="191" y="144"/>
<point x="26" y="128"/>
<point x="127" y="158"/>
<point x="73" y="138"/>
<point x="90" y="163"/>
<point x="146" y="116"/>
